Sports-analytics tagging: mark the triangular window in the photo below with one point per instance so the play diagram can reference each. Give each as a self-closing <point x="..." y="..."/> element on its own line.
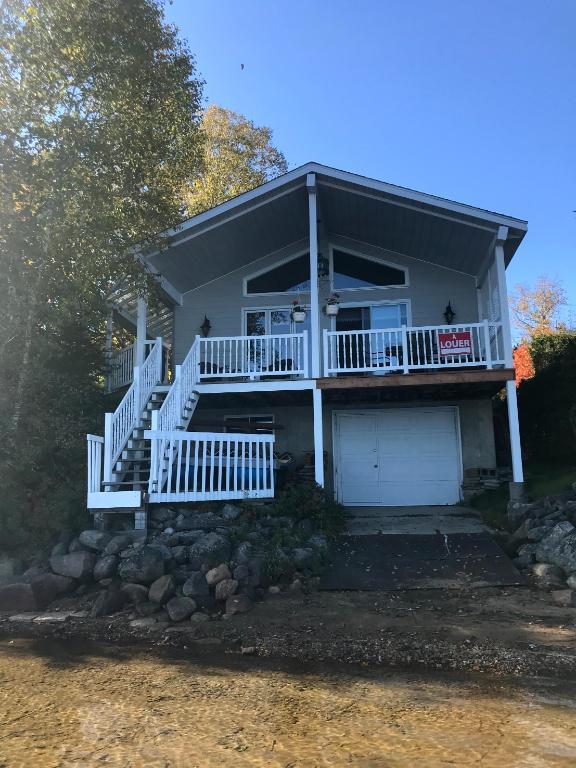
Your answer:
<point x="290" y="277"/>
<point x="351" y="271"/>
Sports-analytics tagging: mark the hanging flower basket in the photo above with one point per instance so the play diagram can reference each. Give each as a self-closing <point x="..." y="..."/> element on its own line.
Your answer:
<point x="298" y="313"/>
<point x="333" y="304"/>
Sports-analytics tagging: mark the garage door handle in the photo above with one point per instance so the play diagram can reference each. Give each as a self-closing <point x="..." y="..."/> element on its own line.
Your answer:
<point x="375" y="466"/>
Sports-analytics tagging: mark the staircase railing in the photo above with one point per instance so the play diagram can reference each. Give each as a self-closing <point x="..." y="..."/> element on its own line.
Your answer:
<point x="94" y="484"/>
<point x="186" y="376"/>
<point x="121" y="368"/>
<point x="118" y="426"/>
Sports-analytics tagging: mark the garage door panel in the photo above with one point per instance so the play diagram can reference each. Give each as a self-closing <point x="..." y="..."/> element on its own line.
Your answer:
<point x="416" y="451"/>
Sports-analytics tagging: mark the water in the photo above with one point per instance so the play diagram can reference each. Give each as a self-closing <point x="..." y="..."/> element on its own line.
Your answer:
<point x="83" y="706"/>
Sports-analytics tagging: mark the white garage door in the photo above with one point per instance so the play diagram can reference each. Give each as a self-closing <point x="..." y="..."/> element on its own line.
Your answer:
<point x="400" y="457"/>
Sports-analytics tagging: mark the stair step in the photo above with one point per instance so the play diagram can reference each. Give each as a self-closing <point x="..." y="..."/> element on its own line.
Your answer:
<point x="117" y="483"/>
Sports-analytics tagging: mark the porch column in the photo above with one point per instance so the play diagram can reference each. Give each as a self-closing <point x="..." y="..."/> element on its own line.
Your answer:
<point x="109" y="332"/>
<point x="314" y="308"/>
<point x="516" y="487"/>
<point x="318" y="437"/>
<point x="140" y="332"/>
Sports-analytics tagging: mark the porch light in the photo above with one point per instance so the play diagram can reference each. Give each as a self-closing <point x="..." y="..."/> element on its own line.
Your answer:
<point x="449" y="313"/>
<point x="323" y="267"/>
<point x="205" y="327"/>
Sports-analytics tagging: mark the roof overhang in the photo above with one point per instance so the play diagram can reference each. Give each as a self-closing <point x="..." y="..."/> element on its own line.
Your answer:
<point x="275" y="215"/>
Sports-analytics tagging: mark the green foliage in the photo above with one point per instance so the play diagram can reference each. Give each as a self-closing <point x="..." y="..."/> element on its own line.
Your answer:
<point x="238" y="156"/>
<point x="99" y="115"/>
<point x="311" y="502"/>
<point x="547" y="402"/>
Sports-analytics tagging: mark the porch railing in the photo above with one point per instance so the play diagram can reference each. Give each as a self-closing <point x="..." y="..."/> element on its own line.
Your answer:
<point x="121" y="368"/>
<point x="209" y="466"/>
<point x="118" y="426"/>
<point x="254" y="356"/>
<point x="411" y="348"/>
<point x="95" y="446"/>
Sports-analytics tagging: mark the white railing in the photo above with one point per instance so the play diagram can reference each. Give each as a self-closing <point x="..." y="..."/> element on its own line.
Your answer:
<point x="254" y="356"/>
<point x="121" y="368"/>
<point x="95" y="445"/>
<point x="210" y="466"/>
<point x="171" y="414"/>
<point x="411" y="348"/>
<point x="118" y="426"/>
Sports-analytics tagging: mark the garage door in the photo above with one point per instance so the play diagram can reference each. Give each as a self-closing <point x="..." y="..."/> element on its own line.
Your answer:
<point x="400" y="457"/>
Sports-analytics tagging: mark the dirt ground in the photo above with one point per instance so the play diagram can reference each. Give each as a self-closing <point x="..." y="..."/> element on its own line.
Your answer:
<point x="511" y="631"/>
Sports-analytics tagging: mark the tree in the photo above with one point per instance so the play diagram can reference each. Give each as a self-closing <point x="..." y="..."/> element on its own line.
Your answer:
<point x="535" y="310"/>
<point x="99" y="130"/>
<point x="523" y="365"/>
<point x="238" y="156"/>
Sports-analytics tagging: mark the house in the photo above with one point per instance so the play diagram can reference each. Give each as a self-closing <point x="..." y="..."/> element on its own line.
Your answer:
<point x="382" y="394"/>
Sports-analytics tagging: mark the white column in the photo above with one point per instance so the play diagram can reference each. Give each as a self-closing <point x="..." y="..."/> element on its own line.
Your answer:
<point x="514" y="426"/>
<point x="318" y="437"/>
<point x="314" y="307"/>
<point x="109" y="332"/>
<point x="140" y="332"/>
<point x="503" y="295"/>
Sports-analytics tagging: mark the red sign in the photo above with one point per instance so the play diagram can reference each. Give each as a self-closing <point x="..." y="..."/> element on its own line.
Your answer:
<point x="457" y="343"/>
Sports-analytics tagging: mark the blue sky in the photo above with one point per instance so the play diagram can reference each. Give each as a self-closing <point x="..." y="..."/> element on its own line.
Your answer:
<point x="473" y="100"/>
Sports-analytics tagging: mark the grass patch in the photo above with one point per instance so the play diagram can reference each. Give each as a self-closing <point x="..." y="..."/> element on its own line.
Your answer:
<point x="541" y="480"/>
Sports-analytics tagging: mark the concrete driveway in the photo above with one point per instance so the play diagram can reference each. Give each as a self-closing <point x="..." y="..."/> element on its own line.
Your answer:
<point x="414" y="520"/>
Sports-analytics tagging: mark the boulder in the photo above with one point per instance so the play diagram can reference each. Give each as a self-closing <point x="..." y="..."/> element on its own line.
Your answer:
<point x="162" y="590"/>
<point x="75" y="546"/>
<point x="517" y="511"/>
<point x="196" y="585"/>
<point x="118" y="543"/>
<point x="180" y="554"/>
<point x="564" y="597"/>
<point x="76" y="565"/>
<point x="225" y="589"/>
<point x="199" y="617"/>
<point x="218" y="574"/>
<point x="559" y="547"/>
<point x="147" y="608"/>
<point x="231" y="512"/>
<point x="94" y="540"/>
<point x="19" y="596"/>
<point x="59" y="549"/>
<point x="144" y="567"/>
<point x="571" y="581"/>
<point x="180" y="608"/>
<point x="107" y="603"/>
<point x="183" y="538"/>
<point x="548" y="575"/>
<point x="243" y="553"/>
<point x="106" y="567"/>
<point x="304" y="558"/>
<point x="48" y="586"/>
<point x="210" y="549"/>
<point x="241" y="573"/>
<point x="134" y="593"/>
<point x="238" y="604"/>
<point x="163" y="515"/>
<point x="165" y="551"/>
<point x="207" y="521"/>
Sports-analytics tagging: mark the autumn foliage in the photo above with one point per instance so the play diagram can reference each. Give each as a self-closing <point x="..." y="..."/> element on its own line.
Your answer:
<point x="523" y="363"/>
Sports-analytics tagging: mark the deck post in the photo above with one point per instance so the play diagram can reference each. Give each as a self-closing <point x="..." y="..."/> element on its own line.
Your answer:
<point x="487" y="346"/>
<point x="108" y="447"/>
<point x="141" y="332"/>
<point x="503" y="295"/>
<point x="318" y="437"/>
<point x="314" y="299"/>
<point x="109" y="332"/>
<point x="514" y="426"/>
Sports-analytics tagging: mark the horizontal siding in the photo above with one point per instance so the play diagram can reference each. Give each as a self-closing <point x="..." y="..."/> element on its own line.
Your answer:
<point x="222" y="301"/>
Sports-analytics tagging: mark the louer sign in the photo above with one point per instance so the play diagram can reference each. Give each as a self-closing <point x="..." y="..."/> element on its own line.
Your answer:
<point x="456" y="343"/>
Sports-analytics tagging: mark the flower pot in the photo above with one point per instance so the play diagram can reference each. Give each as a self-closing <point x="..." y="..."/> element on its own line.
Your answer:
<point x="298" y="316"/>
<point x="332" y="309"/>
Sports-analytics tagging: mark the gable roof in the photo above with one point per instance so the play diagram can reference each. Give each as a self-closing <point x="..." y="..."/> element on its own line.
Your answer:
<point x="274" y="215"/>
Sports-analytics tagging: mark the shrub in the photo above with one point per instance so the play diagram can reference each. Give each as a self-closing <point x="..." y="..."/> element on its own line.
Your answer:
<point x="311" y="502"/>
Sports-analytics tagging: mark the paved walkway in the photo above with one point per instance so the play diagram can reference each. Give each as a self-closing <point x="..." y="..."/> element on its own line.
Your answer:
<point x="414" y="520"/>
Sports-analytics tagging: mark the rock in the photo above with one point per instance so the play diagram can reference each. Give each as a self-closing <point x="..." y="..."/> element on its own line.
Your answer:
<point x="274" y="590"/>
<point x="183" y="538"/>
<point x="59" y="549"/>
<point x="106" y="567"/>
<point x="528" y="549"/>
<point x="147" y="608"/>
<point x="180" y="554"/>
<point x="523" y="561"/>
<point x="304" y="558"/>
<point x="134" y="593"/>
<point x="241" y="573"/>
<point x="210" y="549"/>
<point x="75" y="546"/>
<point x="134" y="549"/>
<point x="231" y="512"/>
<point x="199" y="617"/>
<point x="571" y="581"/>
<point x="207" y="521"/>
<point x="517" y="511"/>
<point x="318" y="542"/>
<point x="94" y="540"/>
<point x="243" y="553"/>
<point x="196" y="585"/>
<point x="53" y="617"/>
<point x="564" y="597"/>
<point x="18" y="596"/>
<point x="48" y="586"/>
<point x="34" y="571"/>
<point x="218" y="574"/>
<point x="163" y="515"/>
<point x="295" y="587"/>
<point x="255" y="568"/>
<point x="25" y="617"/>
<point x="162" y="590"/>
<point x="559" y="547"/>
<point x="76" y="565"/>
<point x="144" y="567"/>
<point x="107" y="602"/>
<point x="238" y="604"/>
<point x="225" y="588"/>
<point x="548" y="575"/>
<point x="118" y="543"/>
<point x="165" y="551"/>
<point x="180" y="608"/>
<point x="145" y="621"/>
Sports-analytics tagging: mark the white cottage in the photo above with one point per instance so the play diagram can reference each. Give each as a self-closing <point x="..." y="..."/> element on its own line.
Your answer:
<point x="343" y="323"/>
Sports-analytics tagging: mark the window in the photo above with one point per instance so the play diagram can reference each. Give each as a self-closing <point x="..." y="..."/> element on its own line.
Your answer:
<point x="373" y="316"/>
<point x="291" y="277"/>
<point x="351" y="271"/>
<point x="236" y="424"/>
